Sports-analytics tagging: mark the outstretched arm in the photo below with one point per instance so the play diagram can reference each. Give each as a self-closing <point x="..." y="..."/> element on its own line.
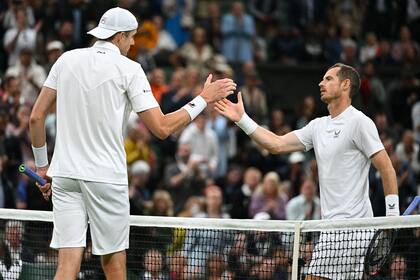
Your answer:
<point x="163" y="125"/>
<point x="275" y="144"/>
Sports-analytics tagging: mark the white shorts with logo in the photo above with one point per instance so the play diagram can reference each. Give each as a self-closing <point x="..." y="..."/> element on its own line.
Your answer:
<point x="340" y="254"/>
<point x="105" y="206"/>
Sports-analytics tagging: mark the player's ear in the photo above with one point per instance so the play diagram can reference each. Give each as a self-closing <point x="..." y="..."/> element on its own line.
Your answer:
<point x="346" y="84"/>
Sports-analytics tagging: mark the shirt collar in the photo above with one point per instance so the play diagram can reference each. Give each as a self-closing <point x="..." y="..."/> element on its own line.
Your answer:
<point x="106" y="45"/>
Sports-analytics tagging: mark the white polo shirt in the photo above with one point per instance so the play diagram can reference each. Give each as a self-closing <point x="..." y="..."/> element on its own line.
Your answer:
<point x="343" y="146"/>
<point x="96" y="88"/>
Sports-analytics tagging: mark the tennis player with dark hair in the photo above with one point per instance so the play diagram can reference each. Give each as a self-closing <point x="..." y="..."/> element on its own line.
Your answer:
<point x="345" y="144"/>
<point x="94" y="90"/>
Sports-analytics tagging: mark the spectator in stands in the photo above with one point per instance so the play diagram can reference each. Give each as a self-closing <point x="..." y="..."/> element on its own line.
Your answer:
<point x="385" y="128"/>
<point x="305" y="112"/>
<point x="398" y="267"/>
<point x="32" y="75"/>
<point x="238" y="31"/>
<point x="254" y="97"/>
<point x="183" y="178"/>
<point x="370" y="48"/>
<point x="305" y="206"/>
<point x="372" y="91"/>
<point x="213" y="204"/>
<point x="408" y="151"/>
<point x="197" y="52"/>
<point x="11" y="266"/>
<point x="20" y="37"/>
<point x="154" y="266"/>
<point x="138" y="146"/>
<point x="178" y="93"/>
<point x="269" y="198"/>
<point x="165" y="44"/>
<point x="287" y="46"/>
<point x="204" y="144"/>
<point x="158" y="83"/>
<point x="296" y="174"/>
<point x="212" y="24"/>
<point x="404" y="45"/>
<point x="138" y="191"/>
<point x="216" y="267"/>
<point x="162" y="204"/>
<point x="54" y="50"/>
<point x="178" y="266"/>
<point x="241" y="198"/>
<point x="278" y="122"/>
<point x="224" y="134"/>
<point x="415" y="119"/>
<point x="10" y="158"/>
<point x="10" y="19"/>
<point x="199" y="244"/>
<point x="384" y="56"/>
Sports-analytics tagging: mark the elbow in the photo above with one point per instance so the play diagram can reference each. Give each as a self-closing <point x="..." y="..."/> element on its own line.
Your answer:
<point x="162" y="133"/>
<point x="35" y="118"/>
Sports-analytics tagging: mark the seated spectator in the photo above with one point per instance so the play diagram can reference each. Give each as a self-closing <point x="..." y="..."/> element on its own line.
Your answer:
<point x="54" y="50"/>
<point x="12" y="250"/>
<point x="241" y="197"/>
<point x="213" y="207"/>
<point x="178" y="266"/>
<point x="137" y="145"/>
<point x="384" y="56"/>
<point x="138" y="192"/>
<point x="408" y="151"/>
<point x="216" y="267"/>
<point x="197" y="52"/>
<point x="158" y="83"/>
<point x="254" y="98"/>
<point x="154" y="266"/>
<point x="372" y="91"/>
<point x="370" y="49"/>
<point x="268" y="198"/>
<point x="183" y="178"/>
<point x="162" y="204"/>
<point x="404" y="45"/>
<point x="165" y="44"/>
<point x="305" y="206"/>
<point x="204" y="144"/>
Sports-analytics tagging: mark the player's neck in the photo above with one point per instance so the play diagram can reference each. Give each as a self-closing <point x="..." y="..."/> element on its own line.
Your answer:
<point x="336" y="108"/>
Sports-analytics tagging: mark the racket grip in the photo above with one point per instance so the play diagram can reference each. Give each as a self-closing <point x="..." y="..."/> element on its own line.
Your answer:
<point x="31" y="174"/>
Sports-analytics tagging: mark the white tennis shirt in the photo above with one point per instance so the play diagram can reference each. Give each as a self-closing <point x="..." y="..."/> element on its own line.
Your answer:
<point x="343" y="146"/>
<point x="96" y="88"/>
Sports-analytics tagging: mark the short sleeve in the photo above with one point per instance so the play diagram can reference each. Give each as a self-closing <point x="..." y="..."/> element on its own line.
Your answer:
<point x="52" y="78"/>
<point x="140" y="93"/>
<point x="305" y="135"/>
<point x="366" y="137"/>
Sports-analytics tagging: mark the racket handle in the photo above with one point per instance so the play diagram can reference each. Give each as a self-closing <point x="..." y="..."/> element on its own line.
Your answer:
<point x="413" y="205"/>
<point x="31" y="174"/>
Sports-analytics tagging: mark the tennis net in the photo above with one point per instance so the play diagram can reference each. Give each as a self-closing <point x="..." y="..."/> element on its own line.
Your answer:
<point x="192" y="248"/>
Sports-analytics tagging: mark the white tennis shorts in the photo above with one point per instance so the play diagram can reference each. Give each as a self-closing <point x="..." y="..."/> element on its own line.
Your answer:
<point x="105" y="206"/>
<point x="340" y="254"/>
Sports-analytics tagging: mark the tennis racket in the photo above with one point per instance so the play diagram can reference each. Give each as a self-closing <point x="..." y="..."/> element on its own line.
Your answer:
<point x="379" y="249"/>
<point x="31" y="174"/>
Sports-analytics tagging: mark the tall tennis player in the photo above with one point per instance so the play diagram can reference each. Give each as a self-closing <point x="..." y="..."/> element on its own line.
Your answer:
<point x="345" y="142"/>
<point x="94" y="90"/>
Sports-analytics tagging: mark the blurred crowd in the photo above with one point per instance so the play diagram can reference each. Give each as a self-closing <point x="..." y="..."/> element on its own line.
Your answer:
<point x="212" y="169"/>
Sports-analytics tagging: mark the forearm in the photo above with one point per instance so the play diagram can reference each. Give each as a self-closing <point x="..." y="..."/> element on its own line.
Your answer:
<point x="389" y="181"/>
<point x="37" y="131"/>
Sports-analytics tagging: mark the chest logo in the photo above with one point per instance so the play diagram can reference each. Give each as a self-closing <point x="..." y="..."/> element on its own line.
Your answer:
<point x="336" y="133"/>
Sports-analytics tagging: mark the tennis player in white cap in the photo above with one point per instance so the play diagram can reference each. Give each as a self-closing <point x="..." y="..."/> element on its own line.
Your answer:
<point x="94" y="90"/>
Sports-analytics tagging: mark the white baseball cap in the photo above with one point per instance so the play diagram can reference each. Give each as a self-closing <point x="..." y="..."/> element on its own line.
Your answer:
<point x="114" y="20"/>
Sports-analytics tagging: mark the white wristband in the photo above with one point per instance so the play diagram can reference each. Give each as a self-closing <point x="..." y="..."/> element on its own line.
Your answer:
<point x="40" y="156"/>
<point x="247" y="124"/>
<point x="195" y="106"/>
<point x="392" y="205"/>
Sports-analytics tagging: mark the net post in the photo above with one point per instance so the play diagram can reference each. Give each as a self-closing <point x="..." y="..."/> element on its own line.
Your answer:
<point x="295" y="253"/>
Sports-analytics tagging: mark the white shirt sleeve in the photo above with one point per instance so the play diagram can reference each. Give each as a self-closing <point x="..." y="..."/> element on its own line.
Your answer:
<point x="52" y="79"/>
<point x="305" y="135"/>
<point x="366" y="137"/>
<point x="140" y="93"/>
